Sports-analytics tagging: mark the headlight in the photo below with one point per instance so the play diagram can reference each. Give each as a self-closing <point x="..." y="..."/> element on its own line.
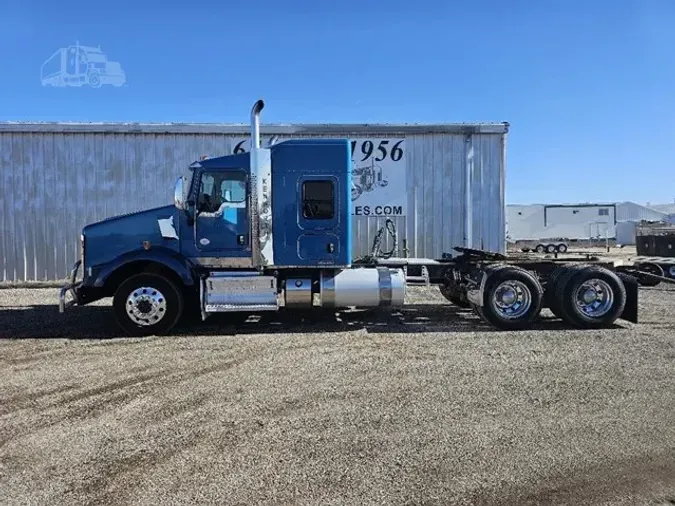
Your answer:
<point x="82" y="247"/>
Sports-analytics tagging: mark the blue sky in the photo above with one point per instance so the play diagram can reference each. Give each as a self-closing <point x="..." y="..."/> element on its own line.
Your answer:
<point x="587" y="86"/>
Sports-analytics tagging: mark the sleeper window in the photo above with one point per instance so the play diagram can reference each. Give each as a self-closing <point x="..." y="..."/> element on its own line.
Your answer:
<point x="318" y="200"/>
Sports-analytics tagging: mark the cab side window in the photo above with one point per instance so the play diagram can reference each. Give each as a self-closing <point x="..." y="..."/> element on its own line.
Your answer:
<point x="318" y="200"/>
<point x="218" y="188"/>
<point x="233" y="188"/>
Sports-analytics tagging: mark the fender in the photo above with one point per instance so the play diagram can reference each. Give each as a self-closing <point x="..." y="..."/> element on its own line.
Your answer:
<point x="170" y="259"/>
<point x="630" y="311"/>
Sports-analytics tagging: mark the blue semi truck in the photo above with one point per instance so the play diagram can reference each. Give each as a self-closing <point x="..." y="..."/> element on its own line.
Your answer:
<point x="270" y="230"/>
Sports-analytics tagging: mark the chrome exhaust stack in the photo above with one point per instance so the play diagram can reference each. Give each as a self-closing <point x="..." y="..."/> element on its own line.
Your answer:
<point x="255" y="124"/>
<point x="262" y="250"/>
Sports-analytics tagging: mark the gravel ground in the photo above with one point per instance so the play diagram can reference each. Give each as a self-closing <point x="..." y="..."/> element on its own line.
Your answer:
<point x="422" y="407"/>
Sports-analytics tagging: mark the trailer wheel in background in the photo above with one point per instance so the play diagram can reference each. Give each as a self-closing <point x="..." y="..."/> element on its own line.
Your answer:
<point x="561" y="248"/>
<point x="147" y="304"/>
<point x="540" y="248"/>
<point x="651" y="268"/>
<point x="512" y="299"/>
<point x="551" y="248"/>
<point x="591" y="297"/>
<point x="453" y="297"/>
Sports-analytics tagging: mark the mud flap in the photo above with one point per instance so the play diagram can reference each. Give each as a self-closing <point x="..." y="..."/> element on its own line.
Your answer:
<point x="630" y="312"/>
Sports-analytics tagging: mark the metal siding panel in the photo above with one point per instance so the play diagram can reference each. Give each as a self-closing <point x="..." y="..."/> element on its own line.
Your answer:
<point x="81" y="200"/>
<point x="19" y="217"/>
<point x="50" y="206"/>
<point x="7" y="196"/>
<point x="457" y="209"/>
<point x="35" y="195"/>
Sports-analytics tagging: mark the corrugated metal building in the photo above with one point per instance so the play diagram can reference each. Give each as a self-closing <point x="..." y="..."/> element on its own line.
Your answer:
<point x="630" y="211"/>
<point x="58" y="177"/>
<point x="629" y="215"/>
<point x="667" y="209"/>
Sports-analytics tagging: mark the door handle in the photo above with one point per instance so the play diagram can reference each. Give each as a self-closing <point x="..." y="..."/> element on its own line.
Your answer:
<point x="331" y="247"/>
<point x="240" y="240"/>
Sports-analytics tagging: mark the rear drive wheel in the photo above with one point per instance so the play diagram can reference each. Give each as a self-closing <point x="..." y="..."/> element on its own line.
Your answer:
<point x="551" y="248"/>
<point x="512" y="299"/>
<point x="147" y="304"/>
<point x="561" y="248"/>
<point x="592" y="297"/>
<point x="556" y="284"/>
<point x="540" y="248"/>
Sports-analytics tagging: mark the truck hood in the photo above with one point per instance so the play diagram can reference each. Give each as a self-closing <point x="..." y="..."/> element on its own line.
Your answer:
<point x="112" y="237"/>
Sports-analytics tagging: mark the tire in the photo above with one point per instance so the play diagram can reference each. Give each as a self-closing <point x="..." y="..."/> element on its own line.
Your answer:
<point x="496" y="308"/>
<point x="540" y="248"/>
<point x="551" y="284"/>
<point x="162" y="298"/>
<point x="452" y="296"/>
<point x="561" y="248"/>
<point x="557" y="294"/>
<point x="652" y="269"/>
<point x="573" y="314"/>
<point x="551" y="248"/>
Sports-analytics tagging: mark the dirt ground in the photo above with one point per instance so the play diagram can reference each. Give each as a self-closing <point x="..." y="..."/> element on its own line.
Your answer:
<point x="425" y="406"/>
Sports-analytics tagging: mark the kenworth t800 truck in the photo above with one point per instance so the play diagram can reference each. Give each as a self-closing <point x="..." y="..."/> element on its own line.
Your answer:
<point x="271" y="229"/>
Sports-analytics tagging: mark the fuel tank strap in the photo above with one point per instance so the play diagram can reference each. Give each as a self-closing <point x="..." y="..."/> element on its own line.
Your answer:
<point x="384" y="276"/>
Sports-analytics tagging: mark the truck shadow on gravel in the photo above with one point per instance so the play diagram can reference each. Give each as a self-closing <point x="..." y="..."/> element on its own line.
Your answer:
<point x="96" y="322"/>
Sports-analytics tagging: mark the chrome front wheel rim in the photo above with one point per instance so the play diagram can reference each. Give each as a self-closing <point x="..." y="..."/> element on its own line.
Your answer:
<point x="146" y="306"/>
<point x="512" y="299"/>
<point x="594" y="298"/>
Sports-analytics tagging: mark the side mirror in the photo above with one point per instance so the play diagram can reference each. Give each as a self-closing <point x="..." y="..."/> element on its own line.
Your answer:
<point x="179" y="194"/>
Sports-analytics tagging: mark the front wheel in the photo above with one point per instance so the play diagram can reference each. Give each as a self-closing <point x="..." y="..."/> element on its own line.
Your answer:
<point x="147" y="304"/>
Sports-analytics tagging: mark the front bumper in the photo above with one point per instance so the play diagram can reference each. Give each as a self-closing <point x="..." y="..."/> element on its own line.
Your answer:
<point x="72" y="288"/>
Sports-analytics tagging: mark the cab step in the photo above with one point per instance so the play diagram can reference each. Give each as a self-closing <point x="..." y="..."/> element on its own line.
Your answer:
<point x="224" y="292"/>
<point x="230" y="308"/>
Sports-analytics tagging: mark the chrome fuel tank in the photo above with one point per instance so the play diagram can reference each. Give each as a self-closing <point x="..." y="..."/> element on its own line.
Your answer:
<point x="363" y="287"/>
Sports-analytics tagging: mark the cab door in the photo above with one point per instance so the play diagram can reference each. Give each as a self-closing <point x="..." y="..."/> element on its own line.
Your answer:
<point x="222" y="218"/>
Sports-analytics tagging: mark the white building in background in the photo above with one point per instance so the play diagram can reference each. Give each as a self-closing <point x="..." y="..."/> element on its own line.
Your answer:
<point x="568" y="221"/>
<point x="581" y="221"/>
